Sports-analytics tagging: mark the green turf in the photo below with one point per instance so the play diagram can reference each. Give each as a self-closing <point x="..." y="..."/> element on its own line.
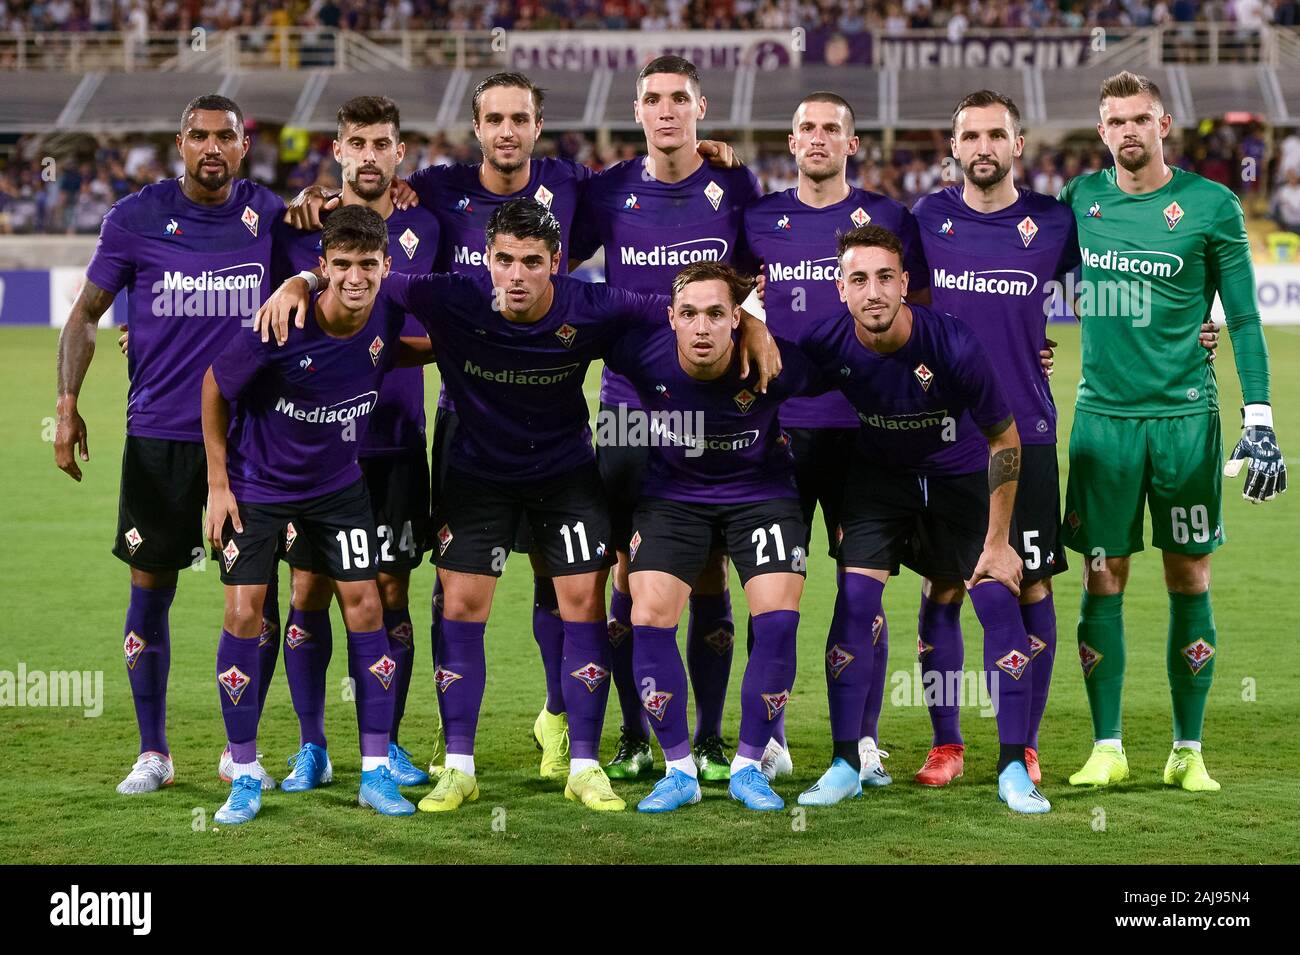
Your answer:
<point x="64" y="598"/>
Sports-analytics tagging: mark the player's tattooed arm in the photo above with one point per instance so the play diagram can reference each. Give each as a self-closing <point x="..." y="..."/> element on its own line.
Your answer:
<point x="999" y="560"/>
<point x="76" y="348"/>
<point x="216" y="425"/>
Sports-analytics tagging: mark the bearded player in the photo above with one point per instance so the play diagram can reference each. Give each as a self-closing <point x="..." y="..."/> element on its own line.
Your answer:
<point x="1146" y="429"/>
<point x="191" y="254"/>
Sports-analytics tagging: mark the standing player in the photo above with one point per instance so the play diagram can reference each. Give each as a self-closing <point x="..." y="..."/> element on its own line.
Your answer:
<point x="722" y="469"/>
<point x="369" y="147"/>
<point x="933" y="487"/>
<point x="192" y="254"/>
<point x="289" y="457"/>
<point x="653" y="215"/>
<point x="1146" y="427"/>
<point x="513" y="347"/>
<point x="793" y="234"/>
<point x="996" y="252"/>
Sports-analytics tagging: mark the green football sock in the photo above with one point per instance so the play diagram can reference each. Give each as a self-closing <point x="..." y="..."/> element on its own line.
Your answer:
<point x="1101" y="653"/>
<point x="1190" y="661"/>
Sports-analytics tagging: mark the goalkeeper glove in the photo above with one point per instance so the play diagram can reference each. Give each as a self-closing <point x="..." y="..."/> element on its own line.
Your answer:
<point x="1266" y="472"/>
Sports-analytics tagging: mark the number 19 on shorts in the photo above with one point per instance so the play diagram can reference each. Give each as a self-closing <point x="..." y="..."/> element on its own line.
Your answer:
<point x="354" y="548"/>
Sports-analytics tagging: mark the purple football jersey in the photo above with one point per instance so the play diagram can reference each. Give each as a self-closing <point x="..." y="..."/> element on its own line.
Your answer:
<point x="397" y="422"/>
<point x="796" y="245"/>
<point x="920" y="409"/>
<point x="193" y="274"/>
<point x="301" y="410"/>
<point x="650" y="229"/>
<point x="518" y="387"/>
<point x="993" y="271"/>
<point x="711" y="442"/>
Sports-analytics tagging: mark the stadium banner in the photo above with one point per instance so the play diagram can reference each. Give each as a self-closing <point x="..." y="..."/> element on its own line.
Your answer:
<point x="630" y="50"/>
<point x="1006" y="51"/>
<point x="1277" y="293"/>
<point x="45" y="297"/>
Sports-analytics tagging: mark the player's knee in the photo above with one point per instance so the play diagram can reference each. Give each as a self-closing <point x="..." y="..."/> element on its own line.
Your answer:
<point x="361" y="608"/>
<point x="621" y="573"/>
<point x="1187" y="575"/>
<point x="1105" y="577"/>
<point x="153" y="580"/>
<point x="310" y="591"/>
<point x="242" y="619"/>
<point x="466" y="605"/>
<point x="944" y="591"/>
<point x="394" y="591"/>
<point x="713" y="578"/>
<point x="1034" y="592"/>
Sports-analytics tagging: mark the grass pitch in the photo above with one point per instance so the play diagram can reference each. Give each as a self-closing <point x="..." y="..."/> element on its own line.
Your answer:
<point x="65" y="596"/>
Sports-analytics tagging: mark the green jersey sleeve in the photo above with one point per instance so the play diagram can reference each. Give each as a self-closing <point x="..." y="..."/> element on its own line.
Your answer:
<point x="1228" y="261"/>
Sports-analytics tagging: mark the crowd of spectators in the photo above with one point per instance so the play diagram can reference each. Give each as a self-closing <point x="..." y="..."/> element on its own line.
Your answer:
<point x="71" y="194"/>
<point x="847" y="16"/>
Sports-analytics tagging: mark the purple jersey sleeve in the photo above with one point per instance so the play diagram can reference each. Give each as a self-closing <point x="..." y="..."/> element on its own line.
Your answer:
<point x="112" y="264"/>
<point x="918" y="270"/>
<point x="978" y="384"/>
<point x="424" y="297"/>
<point x="239" y="364"/>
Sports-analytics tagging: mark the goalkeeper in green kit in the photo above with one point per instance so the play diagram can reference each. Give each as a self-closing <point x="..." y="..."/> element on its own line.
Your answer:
<point x="1157" y="243"/>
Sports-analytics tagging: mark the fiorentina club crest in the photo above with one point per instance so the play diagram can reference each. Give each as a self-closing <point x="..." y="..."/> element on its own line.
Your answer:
<point x="617" y="631"/>
<point x="720" y="640"/>
<point x="566" y="333"/>
<point x="295" y="636"/>
<point x="776" y="703"/>
<point x="859" y="217"/>
<point x="922" y="648"/>
<point x="290" y="535"/>
<point x="544" y="196"/>
<point x="837" y="658"/>
<point x="384" y="669"/>
<point x="1197" y="654"/>
<point x="268" y="631"/>
<point x="409" y="242"/>
<point x="744" y="401"/>
<point x="592" y="675"/>
<point x="133" y="646"/>
<point x="229" y="555"/>
<point x="249" y="218"/>
<point x="234" y="681"/>
<point x="877" y="626"/>
<point x="444" y="539"/>
<point x="924" y="375"/>
<point x="633" y="544"/>
<point x="1073" y="520"/>
<point x="443" y="678"/>
<point x="656" y="704"/>
<point x="1173" y="215"/>
<point x="1013" y="664"/>
<point x="714" y="194"/>
<point x="133" y="540"/>
<point x="403" y="634"/>
<point x="1036" y="646"/>
<point x="376" y="349"/>
<point x="1027" y="230"/>
<point x="1088" y="659"/>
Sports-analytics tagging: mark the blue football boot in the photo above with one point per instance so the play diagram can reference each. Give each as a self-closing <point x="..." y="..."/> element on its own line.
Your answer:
<point x="751" y="787"/>
<point x="1017" y="790"/>
<point x="838" y="783"/>
<point x="675" y="790"/>
<point x="379" y="792"/>
<point x="310" y="767"/>
<point x="243" y="803"/>
<point x="404" y="771"/>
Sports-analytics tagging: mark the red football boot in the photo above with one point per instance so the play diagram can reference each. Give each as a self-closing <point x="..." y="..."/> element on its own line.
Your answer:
<point x="943" y="764"/>
<point x="1031" y="764"/>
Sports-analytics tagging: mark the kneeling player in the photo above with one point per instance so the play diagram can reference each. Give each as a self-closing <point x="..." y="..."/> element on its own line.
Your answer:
<point x="924" y="391"/>
<point x="720" y="470"/>
<point x="291" y="458"/>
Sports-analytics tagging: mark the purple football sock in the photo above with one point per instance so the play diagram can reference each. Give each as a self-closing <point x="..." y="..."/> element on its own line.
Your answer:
<point x="1040" y="625"/>
<point x="268" y="642"/>
<point x="401" y="647"/>
<point x="942" y="656"/>
<point x="308" y="646"/>
<point x="849" y="657"/>
<point x="373" y="672"/>
<point x="548" y="631"/>
<point x="879" y="676"/>
<point x="621" y="650"/>
<point x="710" y="637"/>
<point x="237" y="663"/>
<point x="586" y="690"/>
<point x="146" y="643"/>
<point x="769" y="674"/>
<point x="657" y="665"/>
<point x="1006" y="660"/>
<point x="460" y="678"/>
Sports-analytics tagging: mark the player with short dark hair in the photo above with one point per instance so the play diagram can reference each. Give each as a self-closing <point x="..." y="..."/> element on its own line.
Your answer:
<point x="191" y="253"/>
<point x="513" y="347"/>
<point x="652" y="215"/>
<point x="793" y="234"/>
<point x="369" y="148"/>
<point x="287" y="464"/>
<point x="719" y="469"/>
<point x="933" y="487"/>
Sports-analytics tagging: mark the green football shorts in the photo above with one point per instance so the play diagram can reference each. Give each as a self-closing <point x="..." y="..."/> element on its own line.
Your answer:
<point x="1117" y="465"/>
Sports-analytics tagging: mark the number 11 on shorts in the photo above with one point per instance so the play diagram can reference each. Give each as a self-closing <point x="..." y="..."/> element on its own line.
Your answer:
<point x="578" y="533"/>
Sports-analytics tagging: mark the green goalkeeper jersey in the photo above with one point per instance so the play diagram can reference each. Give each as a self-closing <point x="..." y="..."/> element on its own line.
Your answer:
<point x="1151" y="266"/>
